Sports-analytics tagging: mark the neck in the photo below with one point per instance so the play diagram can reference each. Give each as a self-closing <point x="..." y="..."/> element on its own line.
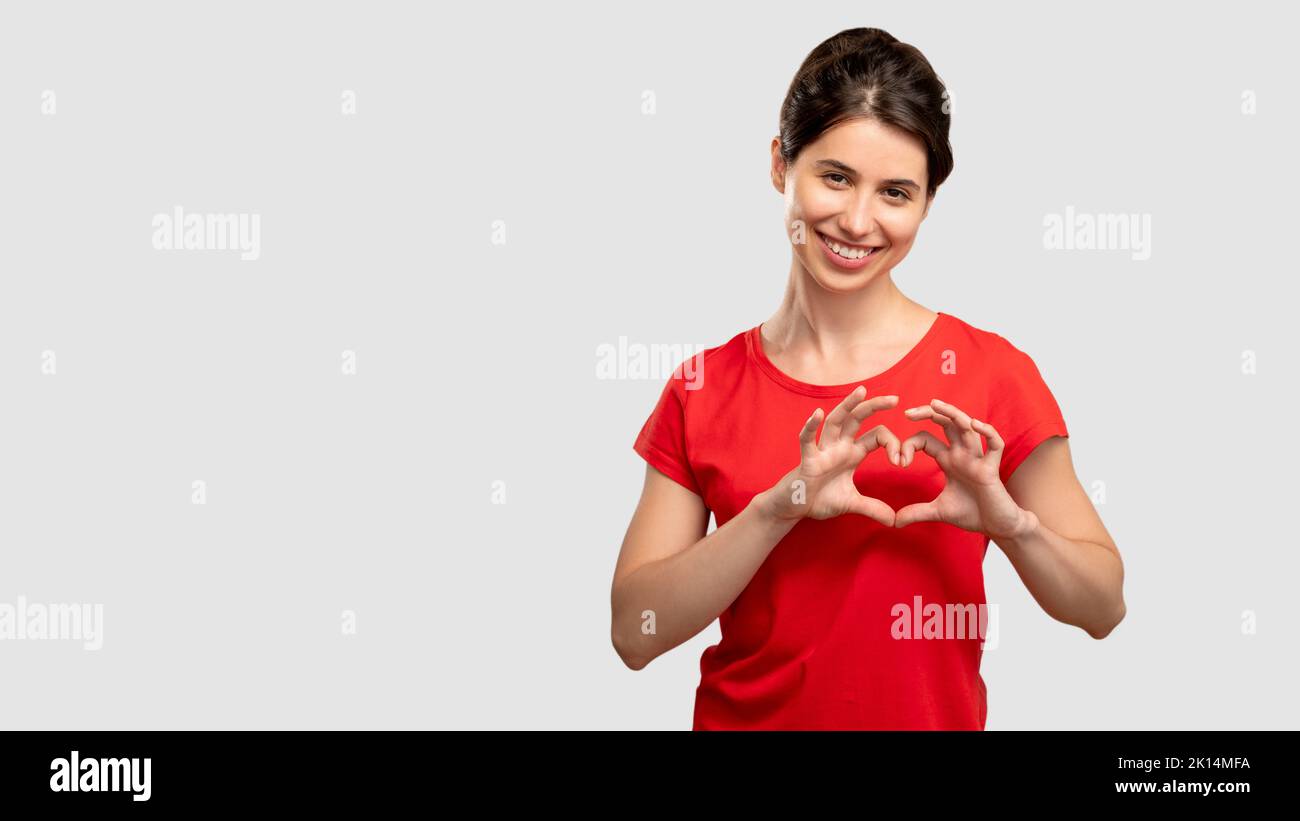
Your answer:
<point x="827" y="322"/>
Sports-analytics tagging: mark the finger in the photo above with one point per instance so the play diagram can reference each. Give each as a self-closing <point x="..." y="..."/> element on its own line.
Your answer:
<point x="941" y="419"/>
<point x="921" y="512"/>
<point x="835" y="422"/>
<point x="959" y="416"/>
<point x="881" y="436"/>
<point x="995" y="440"/>
<point x="927" y="442"/>
<point x="874" y="509"/>
<point x="864" y="410"/>
<point x="808" y="435"/>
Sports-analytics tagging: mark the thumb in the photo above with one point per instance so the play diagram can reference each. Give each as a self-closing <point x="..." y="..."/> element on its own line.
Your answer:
<point x="874" y="509"/>
<point x="923" y="512"/>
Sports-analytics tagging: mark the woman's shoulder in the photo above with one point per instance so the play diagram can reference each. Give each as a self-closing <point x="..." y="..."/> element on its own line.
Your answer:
<point x="688" y="373"/>
<point x="983" y="339"/>
<point x="733" y="350"/>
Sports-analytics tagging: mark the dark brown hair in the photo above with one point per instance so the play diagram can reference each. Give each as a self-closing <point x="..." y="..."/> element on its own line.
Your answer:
<point x="867" y="73"/>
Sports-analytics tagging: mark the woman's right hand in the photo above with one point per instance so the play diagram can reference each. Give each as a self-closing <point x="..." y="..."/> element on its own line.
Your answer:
<point x="822" y="487"/>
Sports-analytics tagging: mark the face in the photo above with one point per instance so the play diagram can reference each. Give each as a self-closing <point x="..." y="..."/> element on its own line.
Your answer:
<point x="860" y="185"/>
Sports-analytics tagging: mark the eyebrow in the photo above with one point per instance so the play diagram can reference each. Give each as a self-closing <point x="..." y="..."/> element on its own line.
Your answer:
<point x="839" y="166"/>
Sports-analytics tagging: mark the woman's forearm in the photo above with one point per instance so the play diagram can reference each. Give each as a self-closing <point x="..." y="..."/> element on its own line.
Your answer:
<point x="682" y="594"/>
<point x="1076" y="582"/>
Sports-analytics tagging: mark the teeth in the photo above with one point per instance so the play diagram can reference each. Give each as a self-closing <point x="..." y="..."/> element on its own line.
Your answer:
<point x="844" y="251"/>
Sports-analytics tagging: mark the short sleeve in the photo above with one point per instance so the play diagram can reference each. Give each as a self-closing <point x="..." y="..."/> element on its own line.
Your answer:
<point x="1021" y="408"/>
<point x="662" y="440"/>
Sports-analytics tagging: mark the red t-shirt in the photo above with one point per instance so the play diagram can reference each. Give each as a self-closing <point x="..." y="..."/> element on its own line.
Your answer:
<point x="809" y="643"/>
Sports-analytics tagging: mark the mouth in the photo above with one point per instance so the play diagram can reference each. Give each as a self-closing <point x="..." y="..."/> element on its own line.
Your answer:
<point x="846" y="255"/>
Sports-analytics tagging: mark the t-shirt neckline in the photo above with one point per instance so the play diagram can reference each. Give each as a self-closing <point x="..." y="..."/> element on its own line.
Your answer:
<point x="756" y="353"/>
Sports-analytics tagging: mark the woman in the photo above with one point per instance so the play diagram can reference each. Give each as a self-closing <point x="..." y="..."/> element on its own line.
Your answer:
<point x="836" y="570"/>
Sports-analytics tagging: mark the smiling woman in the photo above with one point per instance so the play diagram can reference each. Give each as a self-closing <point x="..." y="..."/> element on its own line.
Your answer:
<point x="822" y="536"/>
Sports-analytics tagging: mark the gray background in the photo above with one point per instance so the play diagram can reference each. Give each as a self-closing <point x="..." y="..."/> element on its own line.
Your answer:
<point x="476" y="362"/>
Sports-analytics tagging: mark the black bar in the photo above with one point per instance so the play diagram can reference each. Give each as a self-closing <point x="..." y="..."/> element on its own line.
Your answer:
<point x="386" y="769"/>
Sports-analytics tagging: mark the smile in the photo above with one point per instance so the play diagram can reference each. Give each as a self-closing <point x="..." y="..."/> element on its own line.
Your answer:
<point x="845" y="255"/>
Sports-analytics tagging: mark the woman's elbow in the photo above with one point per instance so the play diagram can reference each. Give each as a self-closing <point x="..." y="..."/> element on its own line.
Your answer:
<point x="633" y="661"/>
<point x="629" y="645"/>
<point x="1119" y="609"/>
<point x="1105" y="630"/>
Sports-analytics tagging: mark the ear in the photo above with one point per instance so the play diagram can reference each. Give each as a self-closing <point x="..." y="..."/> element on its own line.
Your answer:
<point x="928" y="200"/>
<point x="778" y="165"/>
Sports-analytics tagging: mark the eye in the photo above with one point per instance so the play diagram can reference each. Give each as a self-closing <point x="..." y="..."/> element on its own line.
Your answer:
<point x="899" y="190"/>
<point x="835" y="174"/>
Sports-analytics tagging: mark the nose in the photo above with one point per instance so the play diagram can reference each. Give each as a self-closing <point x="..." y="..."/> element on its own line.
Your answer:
<point x="859" y="221"/>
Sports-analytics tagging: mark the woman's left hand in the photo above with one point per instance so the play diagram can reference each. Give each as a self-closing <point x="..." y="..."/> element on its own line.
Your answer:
<point x="974" y="497"/>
